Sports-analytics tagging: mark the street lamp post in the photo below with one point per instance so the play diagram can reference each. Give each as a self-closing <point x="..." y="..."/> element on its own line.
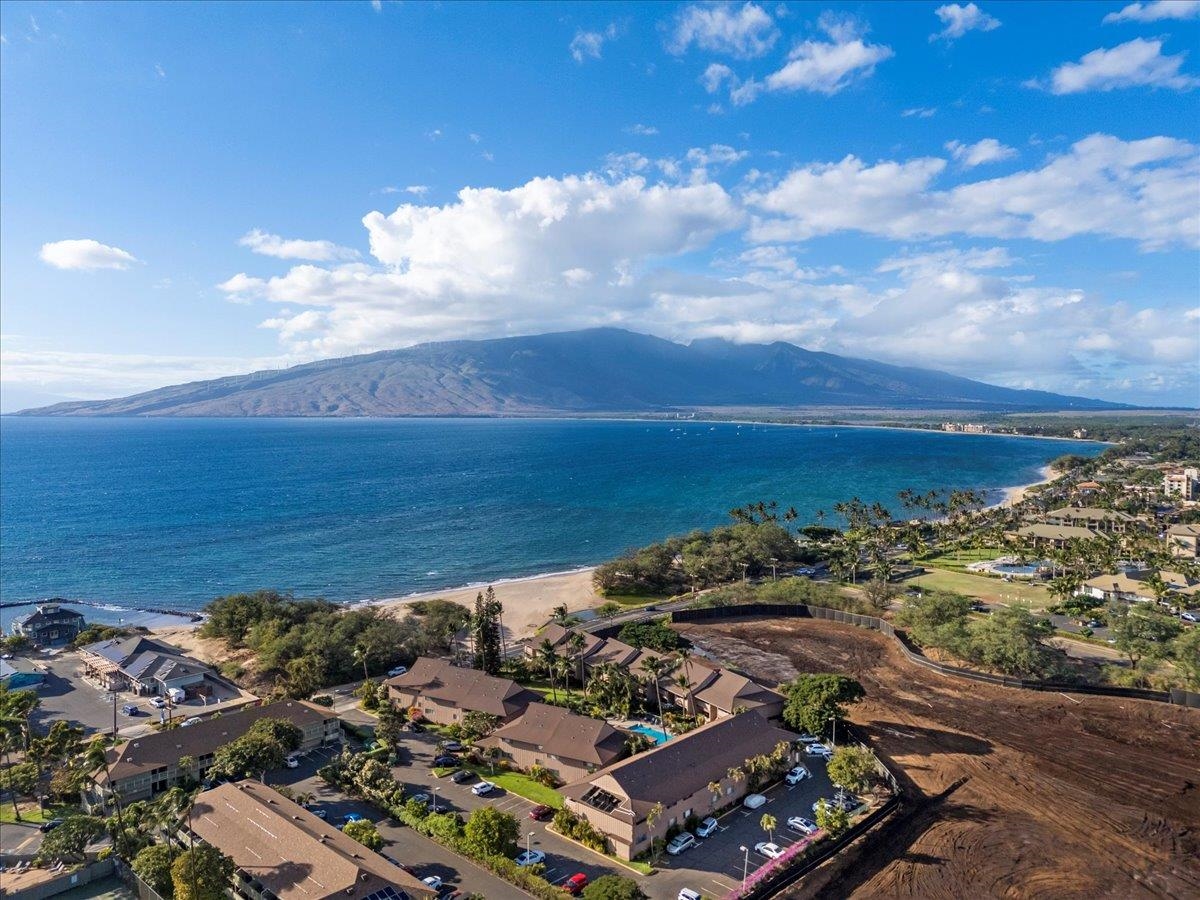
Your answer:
<point x="745" y="569"/>
<point x="435" y="796"/>
<point x="528" y="839"/>
<point x="745" y="864"/>
<point x="774" y="563"/>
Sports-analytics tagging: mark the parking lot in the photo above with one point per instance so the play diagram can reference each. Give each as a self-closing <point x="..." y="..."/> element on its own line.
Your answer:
<point x="713" y="867"/>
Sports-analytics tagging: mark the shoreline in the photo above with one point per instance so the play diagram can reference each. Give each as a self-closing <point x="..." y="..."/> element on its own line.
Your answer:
<point x="1017" y="493"/>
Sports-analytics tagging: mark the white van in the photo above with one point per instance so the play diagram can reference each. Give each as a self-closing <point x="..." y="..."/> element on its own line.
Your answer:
<point x="176" y="695"/>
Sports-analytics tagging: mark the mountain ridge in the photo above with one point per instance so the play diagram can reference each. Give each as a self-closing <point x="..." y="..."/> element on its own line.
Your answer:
<point x="599" y="370"/>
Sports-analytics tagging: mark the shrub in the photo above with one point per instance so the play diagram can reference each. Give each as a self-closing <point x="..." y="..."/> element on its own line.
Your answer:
<point x="365" y="833"/>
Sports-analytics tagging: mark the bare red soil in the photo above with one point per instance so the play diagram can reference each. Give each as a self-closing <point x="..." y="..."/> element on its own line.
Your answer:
<point x="1008" y="793"/>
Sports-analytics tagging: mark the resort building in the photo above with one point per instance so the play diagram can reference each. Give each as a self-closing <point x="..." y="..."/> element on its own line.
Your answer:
<point x="700" y="688"/>
<point x="1135" y="587"/>
<point x="1107" y="521"/>
<point x="443" y="693"/>
<point x="1182" y="483"/>
<point x="143" y="666"/>
<point x="1041" y="535"/>
<point x="1184" y="541"/>
<point x="281" y="850"/>
<point x="145" y="766"/>
<point x="569" y="745"/>
<point x="677" y="774"/>
<point x="49" y="625"/>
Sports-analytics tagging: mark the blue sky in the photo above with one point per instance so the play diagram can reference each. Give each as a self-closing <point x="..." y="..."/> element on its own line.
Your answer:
<point x="1006" y="191"/>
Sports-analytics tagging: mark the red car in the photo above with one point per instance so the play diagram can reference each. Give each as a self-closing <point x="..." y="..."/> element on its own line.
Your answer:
<point x="575" y="884"/>
<point x="538" y="813"/>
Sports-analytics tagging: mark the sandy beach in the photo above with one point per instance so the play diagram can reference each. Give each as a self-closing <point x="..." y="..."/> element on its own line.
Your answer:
<point x="528" y="603"/>
<point x="1014" y="495"/>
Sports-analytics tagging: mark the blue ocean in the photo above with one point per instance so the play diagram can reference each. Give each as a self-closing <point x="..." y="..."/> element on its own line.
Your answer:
<point x="169" y="513"/>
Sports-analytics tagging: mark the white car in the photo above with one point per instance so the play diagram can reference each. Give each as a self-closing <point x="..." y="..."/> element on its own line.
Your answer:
<point x="484" y="787"/>
<point x="399" y="670"/>
<point x="158" y="702"/>
<point x="707" y="827"/>
<point x="754" y="801"/>
<point x="1190" y="615"/>
<point x="809" y="739"/>
<point x="688" y="894"/>
<point x="797" y="775"/>
<point x="433" y="881"/>
<point x="194" y="720"/>
<point x="818" y="750"/>
<point x="769" y="850"/>
<point x="292" y="763"/>
<point x="683" y="841"/>
<point x="801" y="824"/>
<point x="530" y="858"/>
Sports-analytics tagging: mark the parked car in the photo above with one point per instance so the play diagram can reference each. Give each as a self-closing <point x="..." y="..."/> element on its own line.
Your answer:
<point x="194" y="720"/>
<point x="158" y="702"/>
<point x="130" y="709"/>
<point x="768" y="849"/>
<point x="50" y="824"/>
<point x="707" y="827"/>
<point x="484" y="787"/>
<point x="575" y="884"/>
<point x="320" y="813"/>
<point x="688" y="894"/>
<point x="398" y="670"/>
<point x="443" y="761"/>
<point x="540" y="812"/>
<point x="415" y="727"/>
<point x="1189" y="615"/>
<point x="462" y="775"/>
<point x="530" y="858"/>
<point x="797" y="775"/>
<point x="452" y="746"/>
<point x="818" y="750"/>
<point x="292" y="763"/>
<point x="352" y="817"/>
<point x="753" y="801"/>
<point x="433" y="881"/>
<point x="809" y="738"/>
<point x="685" y="840"/>
<point x="801" y="824"/>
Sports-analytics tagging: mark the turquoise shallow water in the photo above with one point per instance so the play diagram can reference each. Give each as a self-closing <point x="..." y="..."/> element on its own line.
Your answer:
<point x="172" y="512"/>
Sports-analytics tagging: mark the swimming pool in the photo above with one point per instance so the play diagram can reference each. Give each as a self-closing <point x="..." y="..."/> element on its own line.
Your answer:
<point x="655" y="734"/>
<point x="1014" y="569"/>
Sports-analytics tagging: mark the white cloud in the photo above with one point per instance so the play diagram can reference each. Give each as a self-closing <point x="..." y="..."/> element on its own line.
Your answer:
<point x="742" y="31"/>
<point x="988" y="150"/>
<point x="642" y="130"/>
<point x="1140" y="190"/>
<point x="159" y="70"/>
<point x="1155" y="11"/>
<point x="957" y="20"/>
<point x="715" y="75"/>
<point x="827" y="67"/>
<point x="377" y="5"/>
<point x="590" y="44"/>
<point x="1133" y="64"/>
<point x="490" y="263"/>
<point x="921" y="112"/>
<point x="85" y="254"/>
<point x="715" y="155"/>
<point x="475" y="138"/>
<point x="417" y="190"/>
<point x="284" y="248"/>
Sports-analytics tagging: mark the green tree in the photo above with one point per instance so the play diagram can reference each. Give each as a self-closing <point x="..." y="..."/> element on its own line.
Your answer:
<point x="287" y="734"/>
<point x="390" y="729"/>
<point x="1185" y="652"/>
<point x="492" y="832"/>
<point x="880" y="593"/>
<point x="250" y="756"/>
<point x="613" y="887"/>
<point x="153" y="865"/>
<point x="1140" y="631"/>
<point x="487" y="632"/>
<point x="476" y="724"/>
<point x="1010" y="641"/>
<point x="816" y="701"/>
<point x="768" y="823"/>
<point x="937" y="619"/>
<point x="608" y="609"/>
<point x="833" y="820"/>
<point x="851" y="767"/>
<point x="365" y="832"/>
<point x="201" y="873"/>
<point x="68" y="840"/>
<point x="654" y="635"/>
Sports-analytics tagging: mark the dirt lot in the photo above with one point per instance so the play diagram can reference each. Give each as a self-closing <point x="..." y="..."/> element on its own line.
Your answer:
<point x="1013" y="793"/>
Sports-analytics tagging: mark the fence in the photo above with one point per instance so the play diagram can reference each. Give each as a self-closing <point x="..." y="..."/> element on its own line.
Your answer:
<point x="1176" y="696"/>
<point x="51" y="885"/>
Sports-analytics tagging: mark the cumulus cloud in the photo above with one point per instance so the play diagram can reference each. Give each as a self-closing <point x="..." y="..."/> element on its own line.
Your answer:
<point x="742" y="31"/>
<point x="1141" y="190"/>
<point x="590" y="44"/>
<point x="957" y="20"/>
<point x="827" y="67"/>
<point x="1155" y="11"/>
<point x="290" y="248"/>
<point x="85" y="254"/>
<point x="491" y="262"/>
<point x="642" y="130"/>
<point x="988" y="150"/>
<point x="1137" y="63"/>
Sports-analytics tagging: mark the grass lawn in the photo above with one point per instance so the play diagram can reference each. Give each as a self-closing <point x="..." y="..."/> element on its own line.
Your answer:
<point x="994" y="590"/>
<point x="513" y="782"/>
<point x="31" y="812"/>
<point x="961" y="559"/>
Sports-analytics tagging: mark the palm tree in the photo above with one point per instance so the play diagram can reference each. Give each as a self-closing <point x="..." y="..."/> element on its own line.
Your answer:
<point x="768" y="823"/>
<point x="575" y="644"/>
<point x="548" y="657"/>
<point x="361" y="652"/>
<point x="653" y="815"/>
<point x="563" y="669"/>
<point x="656" y="667"/>
<point x="714" y="791"/>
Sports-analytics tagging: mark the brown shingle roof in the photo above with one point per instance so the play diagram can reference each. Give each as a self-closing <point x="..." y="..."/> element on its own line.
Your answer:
<point x="686" y="764"/>
<point x="164" y="748"/>
<point x="288" y="850"/>
<point x="562" y="733"/>
<point x="464" y="688"/>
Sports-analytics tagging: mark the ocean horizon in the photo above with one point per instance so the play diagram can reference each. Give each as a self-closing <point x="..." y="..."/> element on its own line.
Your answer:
<point x="169" y="513"/>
